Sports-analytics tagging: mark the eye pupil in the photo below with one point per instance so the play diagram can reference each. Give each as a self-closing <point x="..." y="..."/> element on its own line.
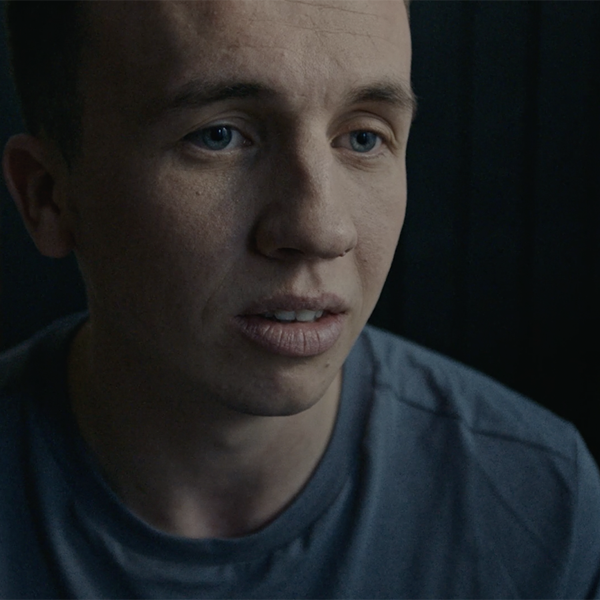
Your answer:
<point x="362" y="138"/>
<point x="363" y="141"/>
<point x="217" y="138"/>
<point x="218" y="134"/>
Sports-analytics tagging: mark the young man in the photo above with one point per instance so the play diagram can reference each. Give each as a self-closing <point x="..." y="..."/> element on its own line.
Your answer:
<point x="230" y="176"/>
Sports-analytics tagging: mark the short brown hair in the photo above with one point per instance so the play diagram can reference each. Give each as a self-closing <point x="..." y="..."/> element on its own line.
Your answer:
<point x="44" y="41"/>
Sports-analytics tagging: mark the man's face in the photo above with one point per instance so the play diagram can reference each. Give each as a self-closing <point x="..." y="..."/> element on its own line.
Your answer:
<point x="243" y="164"/>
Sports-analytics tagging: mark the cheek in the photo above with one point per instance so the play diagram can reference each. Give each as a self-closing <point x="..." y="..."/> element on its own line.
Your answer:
<point x="382" y="212"/>
<point x="203" y="222"/>
<point x="382" y="217"/>
<point x="161" y="237"/>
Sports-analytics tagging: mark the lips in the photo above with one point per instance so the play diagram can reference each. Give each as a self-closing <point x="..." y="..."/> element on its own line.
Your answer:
<point x="326" y="302"/>
<point x="287" y="316"/>
<point x="294" y="326"/>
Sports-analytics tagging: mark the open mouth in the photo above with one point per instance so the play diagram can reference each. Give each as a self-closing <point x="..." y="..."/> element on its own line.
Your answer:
<point x="290" y="316"/>
<point x="294" y="325"/>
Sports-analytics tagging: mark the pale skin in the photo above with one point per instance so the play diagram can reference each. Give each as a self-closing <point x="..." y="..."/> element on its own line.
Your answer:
<point x="198" y="430"/>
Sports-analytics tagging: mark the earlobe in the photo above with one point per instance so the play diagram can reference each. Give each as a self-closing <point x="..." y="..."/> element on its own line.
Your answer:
<point x="33" y="179"/>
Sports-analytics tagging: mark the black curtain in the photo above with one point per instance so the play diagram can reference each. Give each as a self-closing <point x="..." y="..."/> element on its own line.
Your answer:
<point x="498" y="264"/>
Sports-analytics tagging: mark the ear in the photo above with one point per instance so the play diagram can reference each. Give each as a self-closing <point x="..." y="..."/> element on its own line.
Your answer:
<point x="36" y="179"/>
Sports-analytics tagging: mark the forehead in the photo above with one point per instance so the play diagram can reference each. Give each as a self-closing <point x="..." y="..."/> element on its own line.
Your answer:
<point x="149" y="48"/>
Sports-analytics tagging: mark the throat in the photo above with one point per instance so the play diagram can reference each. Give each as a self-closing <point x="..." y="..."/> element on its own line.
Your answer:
<point x="189" y="476"/>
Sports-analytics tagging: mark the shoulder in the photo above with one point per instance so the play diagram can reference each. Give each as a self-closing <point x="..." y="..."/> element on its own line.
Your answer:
<point x="29" y="367"/>
<point x="466" y="429"/>
<point x="481" y="472"/>
<point x="515" y="475"/>
<point x="16" y="379"/>
<point x="30" y="388"/>
<point x="428" y="382"/>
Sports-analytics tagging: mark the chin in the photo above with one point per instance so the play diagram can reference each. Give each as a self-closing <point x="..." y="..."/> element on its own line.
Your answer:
<point x="278" y="397"/>
<point x="280" y="406"/>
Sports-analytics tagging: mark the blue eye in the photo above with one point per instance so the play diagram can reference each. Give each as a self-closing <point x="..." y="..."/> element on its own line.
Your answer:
<point x="363" y="141"/>
<point x="216" y="137"/>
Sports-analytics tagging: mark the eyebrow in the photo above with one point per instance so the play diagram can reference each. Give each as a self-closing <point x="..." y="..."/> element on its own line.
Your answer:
<point x="397" y="94"/>
<point x="202" y="94"/>
<point x="196" y="94"/>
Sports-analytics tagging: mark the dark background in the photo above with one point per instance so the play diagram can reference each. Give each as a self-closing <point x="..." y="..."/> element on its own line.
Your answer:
<point x="498" y="265"/>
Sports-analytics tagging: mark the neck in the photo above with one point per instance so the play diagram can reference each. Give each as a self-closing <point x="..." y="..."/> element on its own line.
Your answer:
<point x="185" y="464"/>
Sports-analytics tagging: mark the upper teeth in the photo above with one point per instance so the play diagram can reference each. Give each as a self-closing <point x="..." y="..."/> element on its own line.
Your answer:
<point x="294" y="315"/>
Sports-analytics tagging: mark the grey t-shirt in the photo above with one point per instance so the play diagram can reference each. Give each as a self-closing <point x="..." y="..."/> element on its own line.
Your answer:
<point x="437" y="483"/>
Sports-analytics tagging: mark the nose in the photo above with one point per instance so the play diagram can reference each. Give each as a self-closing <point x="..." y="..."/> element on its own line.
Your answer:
<point x="308" y="211"/>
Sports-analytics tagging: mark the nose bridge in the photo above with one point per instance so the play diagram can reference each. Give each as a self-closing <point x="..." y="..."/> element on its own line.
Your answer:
<point x="307" y="213"/>
<point x="310" y="187"/>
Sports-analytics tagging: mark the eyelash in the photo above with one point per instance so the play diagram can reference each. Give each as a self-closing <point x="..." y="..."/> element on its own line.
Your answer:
<point x="243" y="141"/>
<point x="379" y="141"/>
<point x="214" y="129"/>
